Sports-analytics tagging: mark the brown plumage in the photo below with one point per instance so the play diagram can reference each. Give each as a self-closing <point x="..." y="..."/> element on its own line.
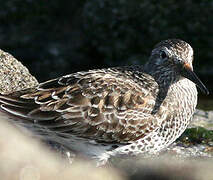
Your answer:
<point x="138" y="109"/>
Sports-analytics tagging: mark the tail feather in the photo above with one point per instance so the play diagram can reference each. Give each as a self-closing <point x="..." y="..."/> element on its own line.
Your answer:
<point x="15" y="110"/>
<point x="9" y="100"/>
<point x="24" y="108"/>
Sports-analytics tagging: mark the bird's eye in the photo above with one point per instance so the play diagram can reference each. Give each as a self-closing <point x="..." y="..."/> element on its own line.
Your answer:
<point x="163" y="55"/>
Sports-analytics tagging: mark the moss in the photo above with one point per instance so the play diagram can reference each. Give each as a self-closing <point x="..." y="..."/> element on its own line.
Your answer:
<point x="197" y="135"/>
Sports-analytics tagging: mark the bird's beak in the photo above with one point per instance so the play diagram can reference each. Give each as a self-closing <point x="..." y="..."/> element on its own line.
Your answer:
<point x="188" y="73"/>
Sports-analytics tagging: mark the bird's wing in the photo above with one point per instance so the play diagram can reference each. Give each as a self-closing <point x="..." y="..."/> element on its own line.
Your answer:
<point x="109" y="105"/>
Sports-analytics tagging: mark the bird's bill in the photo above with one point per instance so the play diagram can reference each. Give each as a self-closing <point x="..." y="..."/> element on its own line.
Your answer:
<point x="189" y="74"/>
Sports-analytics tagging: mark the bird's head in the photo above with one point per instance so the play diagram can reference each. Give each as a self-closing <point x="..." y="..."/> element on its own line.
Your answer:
<point x="175" y="57"/>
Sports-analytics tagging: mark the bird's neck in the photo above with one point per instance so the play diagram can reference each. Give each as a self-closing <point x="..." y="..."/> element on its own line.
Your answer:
<point x="163" y="75"/>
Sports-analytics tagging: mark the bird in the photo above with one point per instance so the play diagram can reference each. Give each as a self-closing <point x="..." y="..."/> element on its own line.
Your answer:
<point x="116" y="111"/>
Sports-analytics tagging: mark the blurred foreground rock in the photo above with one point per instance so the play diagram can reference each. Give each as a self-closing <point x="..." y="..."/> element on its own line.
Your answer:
<point x="166" y="168"/>
<point x="24" y="158"/>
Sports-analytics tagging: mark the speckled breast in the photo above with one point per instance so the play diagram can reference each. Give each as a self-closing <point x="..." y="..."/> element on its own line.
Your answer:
<point x="181" y="100"/>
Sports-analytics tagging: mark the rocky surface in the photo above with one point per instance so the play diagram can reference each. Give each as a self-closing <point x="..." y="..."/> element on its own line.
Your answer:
<point x="203" y="119"/>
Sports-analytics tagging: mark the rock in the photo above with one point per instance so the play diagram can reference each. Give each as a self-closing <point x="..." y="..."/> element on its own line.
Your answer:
<point x="13" y="75"/>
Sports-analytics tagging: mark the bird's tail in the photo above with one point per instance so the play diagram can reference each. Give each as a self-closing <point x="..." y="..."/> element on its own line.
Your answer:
<point x="26" y="115"/>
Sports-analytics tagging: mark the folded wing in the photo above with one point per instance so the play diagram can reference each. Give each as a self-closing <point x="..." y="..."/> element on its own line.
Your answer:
<point x="108" y="105"/>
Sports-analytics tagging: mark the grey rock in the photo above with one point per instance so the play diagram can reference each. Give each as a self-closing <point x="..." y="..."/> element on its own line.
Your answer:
<point x="13" y="75"/>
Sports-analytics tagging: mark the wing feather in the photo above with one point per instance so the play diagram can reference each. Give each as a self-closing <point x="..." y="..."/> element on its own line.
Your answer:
<point x="110" y="105"/>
